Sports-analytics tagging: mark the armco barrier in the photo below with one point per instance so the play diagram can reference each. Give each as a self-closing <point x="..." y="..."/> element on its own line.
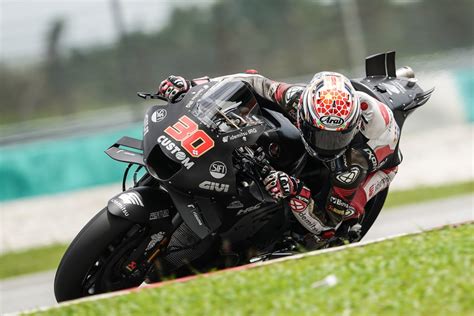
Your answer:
<point x="60" y="165"/>
<point x="465" y="79"/>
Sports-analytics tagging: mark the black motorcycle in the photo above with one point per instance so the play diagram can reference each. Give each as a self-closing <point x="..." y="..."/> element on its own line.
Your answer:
<point x="197" y="202"/>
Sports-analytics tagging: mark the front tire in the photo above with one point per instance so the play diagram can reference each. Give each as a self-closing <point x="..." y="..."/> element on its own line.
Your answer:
<point x="373" y="209"/>
<point x="88" y="253"/>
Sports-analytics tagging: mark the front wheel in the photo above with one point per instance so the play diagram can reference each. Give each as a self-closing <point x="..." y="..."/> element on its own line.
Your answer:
<point x="89" y="265"/>
<point x="373" y="208"/>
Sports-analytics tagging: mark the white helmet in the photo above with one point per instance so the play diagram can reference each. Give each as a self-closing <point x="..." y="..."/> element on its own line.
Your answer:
<point x="328" y="115"/>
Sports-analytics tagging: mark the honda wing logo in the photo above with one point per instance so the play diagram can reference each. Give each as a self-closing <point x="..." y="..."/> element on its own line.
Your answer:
<point x="131" y="198"/>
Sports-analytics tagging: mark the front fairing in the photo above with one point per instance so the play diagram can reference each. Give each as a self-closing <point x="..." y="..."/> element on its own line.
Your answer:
<point x="188" y="145"/>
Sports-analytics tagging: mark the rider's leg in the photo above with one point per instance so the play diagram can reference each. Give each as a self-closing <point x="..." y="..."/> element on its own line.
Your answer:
<point x="373" y="184"/>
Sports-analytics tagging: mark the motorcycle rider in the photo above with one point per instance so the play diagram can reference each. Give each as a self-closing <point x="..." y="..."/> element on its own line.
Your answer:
<point x="352" y="133"/>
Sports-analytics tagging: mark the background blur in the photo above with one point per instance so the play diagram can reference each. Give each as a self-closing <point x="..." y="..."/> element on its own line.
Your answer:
<point x="69" y="72"/>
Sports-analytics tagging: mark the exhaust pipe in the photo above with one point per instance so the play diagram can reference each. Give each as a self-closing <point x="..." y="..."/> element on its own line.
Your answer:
<point x="405" y="72"/>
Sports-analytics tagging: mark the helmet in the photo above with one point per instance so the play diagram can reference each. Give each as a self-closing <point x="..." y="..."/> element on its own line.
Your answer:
<point x="328" y="115"/>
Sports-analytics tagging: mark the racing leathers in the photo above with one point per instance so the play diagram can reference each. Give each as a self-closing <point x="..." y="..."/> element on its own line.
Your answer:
<point x="367" y="167"/>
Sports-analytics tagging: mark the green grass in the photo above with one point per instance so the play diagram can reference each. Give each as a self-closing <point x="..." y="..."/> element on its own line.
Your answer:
<point x="47" y="258"/>
<point x="30" y="260"/>
<point x="425" y="274"/>
<point x="428" y="193"/>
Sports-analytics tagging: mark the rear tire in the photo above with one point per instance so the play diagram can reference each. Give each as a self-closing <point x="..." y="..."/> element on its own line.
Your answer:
<point x="83" y="254"/>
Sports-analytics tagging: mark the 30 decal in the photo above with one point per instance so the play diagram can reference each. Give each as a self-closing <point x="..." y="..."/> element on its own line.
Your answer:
<point x="195" y="141"/>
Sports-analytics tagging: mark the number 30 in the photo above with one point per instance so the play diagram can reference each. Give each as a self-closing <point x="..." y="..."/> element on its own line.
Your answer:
<point x="195" y="141"/>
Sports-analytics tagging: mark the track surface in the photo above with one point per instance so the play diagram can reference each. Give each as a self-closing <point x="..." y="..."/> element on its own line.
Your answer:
<point x="37" y="290"/>
<point x="425" y="155"/>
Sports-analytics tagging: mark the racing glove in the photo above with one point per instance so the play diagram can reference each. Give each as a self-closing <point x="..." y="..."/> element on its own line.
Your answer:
<point x="280" y="185"/>
<point x="172" y="87"/>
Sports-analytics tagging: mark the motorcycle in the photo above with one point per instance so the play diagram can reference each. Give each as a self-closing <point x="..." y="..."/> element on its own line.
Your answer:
<point x="200" y="204"/>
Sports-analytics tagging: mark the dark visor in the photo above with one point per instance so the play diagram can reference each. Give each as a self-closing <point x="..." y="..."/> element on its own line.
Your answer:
<point x="327" y="143"/>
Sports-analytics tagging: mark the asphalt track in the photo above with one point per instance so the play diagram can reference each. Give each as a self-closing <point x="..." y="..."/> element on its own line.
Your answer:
<point x="36" y="290"/>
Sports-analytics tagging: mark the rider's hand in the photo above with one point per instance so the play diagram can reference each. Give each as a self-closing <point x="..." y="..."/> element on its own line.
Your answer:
<point x="280" y="185"/>
<point x="172" y="87"/>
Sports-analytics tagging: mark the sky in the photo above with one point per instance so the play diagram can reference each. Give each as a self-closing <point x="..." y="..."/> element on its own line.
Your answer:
<point x="24" y="23"/>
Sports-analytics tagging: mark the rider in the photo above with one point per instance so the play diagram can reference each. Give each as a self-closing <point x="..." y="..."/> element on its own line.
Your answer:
<point x="352" y="133"/>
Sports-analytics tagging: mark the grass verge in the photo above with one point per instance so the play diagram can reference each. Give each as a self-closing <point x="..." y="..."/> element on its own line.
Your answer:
<point x="47" y="258"/>
<point x="428" y="193"/>
<point x="30" y="260"/>
<point x="425" y="274"/>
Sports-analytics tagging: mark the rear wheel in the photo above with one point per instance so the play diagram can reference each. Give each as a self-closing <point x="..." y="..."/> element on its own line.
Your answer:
<point x="91" y="264"/>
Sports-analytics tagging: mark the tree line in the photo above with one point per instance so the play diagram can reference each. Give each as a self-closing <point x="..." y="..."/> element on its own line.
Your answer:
<point x="280" y="38"/>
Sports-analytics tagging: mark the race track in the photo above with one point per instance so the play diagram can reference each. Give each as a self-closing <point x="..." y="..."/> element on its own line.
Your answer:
<point x="37" y="290"/>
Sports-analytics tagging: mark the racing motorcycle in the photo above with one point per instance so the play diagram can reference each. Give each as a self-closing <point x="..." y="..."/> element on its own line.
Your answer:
<point x="197" y="201"/>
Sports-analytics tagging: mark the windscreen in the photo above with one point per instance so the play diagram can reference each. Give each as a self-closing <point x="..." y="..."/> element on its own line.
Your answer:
<point x="226" y="106"/>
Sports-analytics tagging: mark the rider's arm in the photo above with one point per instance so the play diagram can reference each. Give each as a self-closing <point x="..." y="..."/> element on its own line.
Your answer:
<point x="284" y="94"/>
<point x="380" y="129"/>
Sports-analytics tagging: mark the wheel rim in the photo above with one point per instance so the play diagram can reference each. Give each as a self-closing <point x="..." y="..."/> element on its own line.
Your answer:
<point x="104" y="275"/>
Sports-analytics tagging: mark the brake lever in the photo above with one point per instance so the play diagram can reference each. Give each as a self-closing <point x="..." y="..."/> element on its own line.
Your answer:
<point x="147" y="96"/>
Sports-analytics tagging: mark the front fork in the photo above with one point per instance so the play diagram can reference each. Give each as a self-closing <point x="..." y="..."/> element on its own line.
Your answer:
<point x="154" y="244"/>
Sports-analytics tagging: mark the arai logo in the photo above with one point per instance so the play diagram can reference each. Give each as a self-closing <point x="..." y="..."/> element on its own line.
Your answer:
<point x="332" y="121"/>
<point x="158" y="115"/>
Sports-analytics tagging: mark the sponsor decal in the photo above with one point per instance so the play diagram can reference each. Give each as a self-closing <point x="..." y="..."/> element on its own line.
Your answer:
<point x="176" y="151"/>
<point x="311" y="223"/>
<point x="218" y="169"/>
<point x="159" y="214"/>
<point x="198" y="218"/>
<point x="125" y="152"/>
<point x="345" y="213"/>
<point x="377" y="187"/>
<point x="371" y="157"/>
<point x="131" y="198"/>
<point x="348" y="177"/>
<point x="249" y="209"/>
<point x="299" y="204"/>
<point x="193" y="140"/>
<point x="121" y="207"/>
<point x="239" y="135"/>
<point x="214" y="186"/>
<point x="235" y="205"/>
<point x="159" y="115"/>
<point x="192" y="209"/>
<point x="332" y="121"/>
<point x="341" y="207"/>
<point x="145" y="125"/>
<point x="155" y="238"/>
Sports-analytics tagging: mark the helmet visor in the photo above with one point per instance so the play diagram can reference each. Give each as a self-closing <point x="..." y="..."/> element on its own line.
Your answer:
<point x="324" y="144"/>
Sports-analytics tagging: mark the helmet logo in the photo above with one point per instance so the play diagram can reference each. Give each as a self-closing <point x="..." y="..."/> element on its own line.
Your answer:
<point x="332" y="121"/>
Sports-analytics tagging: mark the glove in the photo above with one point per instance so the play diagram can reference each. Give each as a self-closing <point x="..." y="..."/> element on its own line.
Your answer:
<point x="280" y="185"/>
<point x="172" y="87"/>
